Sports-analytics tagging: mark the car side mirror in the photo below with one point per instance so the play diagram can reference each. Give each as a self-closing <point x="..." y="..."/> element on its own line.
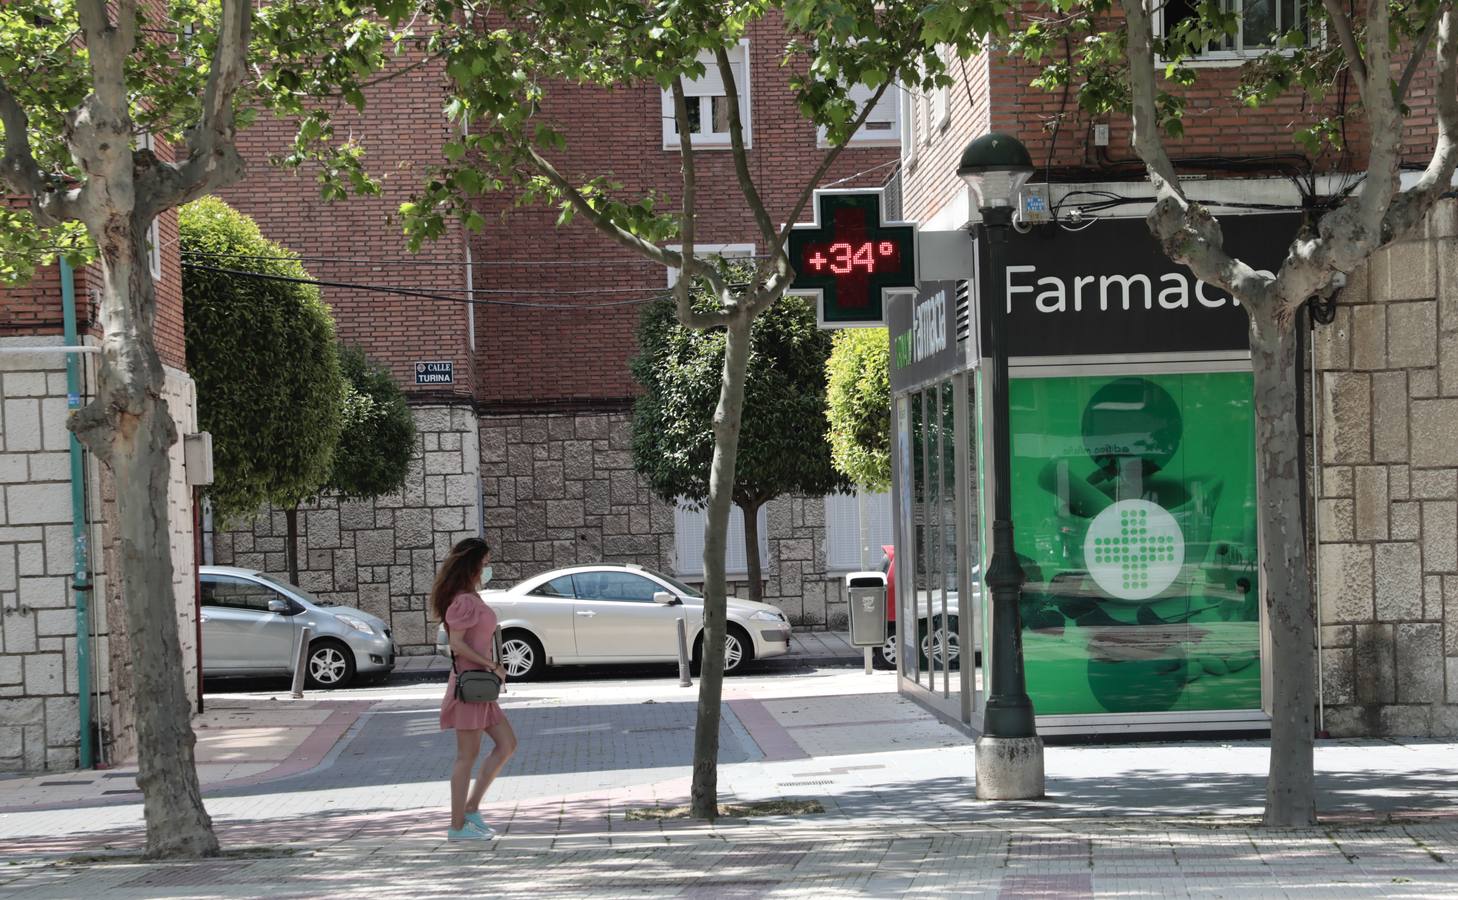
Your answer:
<point x="279" y="606"/>
<point x="664" y="598"/>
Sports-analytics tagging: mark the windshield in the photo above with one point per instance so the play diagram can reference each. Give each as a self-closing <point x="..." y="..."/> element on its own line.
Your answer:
<point x="677" y="585"/>
<point x="293" y="589"/>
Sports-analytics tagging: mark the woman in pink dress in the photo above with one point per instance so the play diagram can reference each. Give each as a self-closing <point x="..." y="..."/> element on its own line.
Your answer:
<point x="471" y="625"/>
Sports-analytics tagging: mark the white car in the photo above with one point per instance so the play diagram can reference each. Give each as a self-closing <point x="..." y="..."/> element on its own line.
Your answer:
<point x="618" y="614"/>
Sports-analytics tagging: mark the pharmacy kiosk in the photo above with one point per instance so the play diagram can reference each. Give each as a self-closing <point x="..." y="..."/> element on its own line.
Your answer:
<point x="1133" y="482"/>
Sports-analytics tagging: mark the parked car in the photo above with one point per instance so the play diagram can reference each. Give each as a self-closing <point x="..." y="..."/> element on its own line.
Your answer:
<point x="618" y="614"/>
<point x="251" y="624"/>
<point x="935" y="627"/>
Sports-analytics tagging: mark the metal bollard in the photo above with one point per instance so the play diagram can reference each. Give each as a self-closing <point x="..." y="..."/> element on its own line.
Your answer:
<point x="868" y="659"/>
<point x="683" y="657"/>
<point x="301" y="663"/>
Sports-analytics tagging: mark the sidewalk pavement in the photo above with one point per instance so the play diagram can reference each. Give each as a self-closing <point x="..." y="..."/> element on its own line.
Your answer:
<point x="895" y="784"/>
<point x="807" y="648"/>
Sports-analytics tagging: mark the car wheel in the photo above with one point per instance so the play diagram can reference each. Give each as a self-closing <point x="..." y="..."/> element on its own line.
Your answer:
<point x="521" y="654"/>
<point x="884" y="656"/>
<point x="331" y="664"/>
<point x="738" y="650"/>
<point x="932" y="644"/>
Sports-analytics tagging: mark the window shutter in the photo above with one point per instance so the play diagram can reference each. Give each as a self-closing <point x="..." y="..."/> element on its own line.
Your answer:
<point x="884" y="121"/>
<point x="712" y="82"/>
<point x="688" y="542"/>
<point x="843" y="530"/>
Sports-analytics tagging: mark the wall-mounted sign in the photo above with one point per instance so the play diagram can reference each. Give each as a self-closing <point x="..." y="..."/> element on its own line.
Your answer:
<point x="923" y="331"/>
<point x="849" y="255"/>
<point x="437" y="372"/>
<point x="1109" y="289"/>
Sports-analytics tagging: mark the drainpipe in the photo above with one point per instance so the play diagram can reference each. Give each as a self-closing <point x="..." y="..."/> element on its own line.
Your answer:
<point x="81" y="578"/>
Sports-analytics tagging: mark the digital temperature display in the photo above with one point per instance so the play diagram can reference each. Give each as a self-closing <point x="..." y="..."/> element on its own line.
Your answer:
<point x="849" y="256"/>
<point x="844" y="257"/>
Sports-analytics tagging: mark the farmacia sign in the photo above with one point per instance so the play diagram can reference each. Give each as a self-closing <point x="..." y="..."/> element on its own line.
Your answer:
<point x="1109" y="289"/>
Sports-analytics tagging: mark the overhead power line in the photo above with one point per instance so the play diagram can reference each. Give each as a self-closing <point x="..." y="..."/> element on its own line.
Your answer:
<point x="428" y="295"/>
<point x="411" y="261"/>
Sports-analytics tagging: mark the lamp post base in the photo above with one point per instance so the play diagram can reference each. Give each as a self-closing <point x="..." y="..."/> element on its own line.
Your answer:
<point x="1009" y="768"/>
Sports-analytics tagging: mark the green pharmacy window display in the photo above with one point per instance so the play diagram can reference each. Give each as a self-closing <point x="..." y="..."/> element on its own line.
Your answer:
<point x="1135" y="504"/>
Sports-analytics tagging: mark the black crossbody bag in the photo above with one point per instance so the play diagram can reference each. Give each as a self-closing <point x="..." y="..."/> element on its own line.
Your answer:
<point x="478" y="685"/>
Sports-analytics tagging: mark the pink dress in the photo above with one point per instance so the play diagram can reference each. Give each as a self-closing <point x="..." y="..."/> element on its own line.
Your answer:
<point x="469" y="617"/>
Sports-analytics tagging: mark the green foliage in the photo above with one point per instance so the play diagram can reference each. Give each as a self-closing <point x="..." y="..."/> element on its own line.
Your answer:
<point x="262" y="354"/>
<point x="500" y="78"/>
<point x="858" y="407"/>
<point x="377" y="442"/>
<point x="307" y="55"/>
<point x="782" y="444"/>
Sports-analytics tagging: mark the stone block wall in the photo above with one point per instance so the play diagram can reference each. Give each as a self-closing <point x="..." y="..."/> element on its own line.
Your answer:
<point x="38" y="709"/>
<point x="1387" y="501"/>
<point x="380" y="555"/>
<point x="560" y="490"/>
<point x="39" y="676"/>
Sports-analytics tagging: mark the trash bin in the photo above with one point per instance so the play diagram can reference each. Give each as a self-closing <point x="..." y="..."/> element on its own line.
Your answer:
<point x="866" y="593"/>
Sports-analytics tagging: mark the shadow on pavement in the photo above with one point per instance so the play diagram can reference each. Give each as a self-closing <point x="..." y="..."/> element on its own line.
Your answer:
<point x="1346" y="795"/>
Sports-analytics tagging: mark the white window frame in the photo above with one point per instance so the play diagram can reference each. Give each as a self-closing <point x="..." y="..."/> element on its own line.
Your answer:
<point x="154" y="233"/>
<point x="910" y="136"/>
<point x="688" y="543"/>
<point x="712" y="139"/>
<point x="1231" y="57"/>
<point x="843" y="530"/>
<point x="709" y="251"/>
<point x="941" y="113"/>
<point x="886" y="137"/>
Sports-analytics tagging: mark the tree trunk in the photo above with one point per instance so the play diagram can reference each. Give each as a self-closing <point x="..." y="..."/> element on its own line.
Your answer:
<point x="1290" y="784"/>
<point x="752" y="562"/>
<point x="129" y="428"/>
<point x="704" y="796"/>
<point x="291" y="548"/>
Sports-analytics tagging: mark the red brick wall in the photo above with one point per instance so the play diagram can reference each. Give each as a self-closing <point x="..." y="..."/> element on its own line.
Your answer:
<point x="929" y="178"/>
<point x="1216" y="124"/>
<point x="580" y="357"/>
<point x="402" y="131"/>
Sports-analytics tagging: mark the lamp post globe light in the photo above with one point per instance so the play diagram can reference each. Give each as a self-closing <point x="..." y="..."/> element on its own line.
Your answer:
<point x="1009" y="751"/>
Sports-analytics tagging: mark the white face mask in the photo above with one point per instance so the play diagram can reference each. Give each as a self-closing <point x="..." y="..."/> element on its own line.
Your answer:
<point x="485" y="575"/>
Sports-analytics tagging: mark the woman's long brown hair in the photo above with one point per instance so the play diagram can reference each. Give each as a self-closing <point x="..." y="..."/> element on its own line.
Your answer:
<point x="457" y="574"/>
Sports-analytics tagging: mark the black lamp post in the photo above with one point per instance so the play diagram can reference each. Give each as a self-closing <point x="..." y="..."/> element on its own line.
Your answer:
<point x="1009" y="752"/>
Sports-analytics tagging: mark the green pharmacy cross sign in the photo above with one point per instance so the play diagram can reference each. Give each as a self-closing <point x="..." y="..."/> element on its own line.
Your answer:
<point x="849" y="255"/>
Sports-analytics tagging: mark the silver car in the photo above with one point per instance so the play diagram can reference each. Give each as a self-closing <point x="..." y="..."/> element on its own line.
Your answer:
<point x="618" y="614"/>
<point x="251" y="624"/>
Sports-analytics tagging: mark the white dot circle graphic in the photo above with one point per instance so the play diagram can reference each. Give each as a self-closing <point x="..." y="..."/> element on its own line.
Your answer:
<point x="1134" y="549"/>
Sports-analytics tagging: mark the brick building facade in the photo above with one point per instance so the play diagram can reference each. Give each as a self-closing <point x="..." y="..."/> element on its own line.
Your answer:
<point x="546" y="382"/>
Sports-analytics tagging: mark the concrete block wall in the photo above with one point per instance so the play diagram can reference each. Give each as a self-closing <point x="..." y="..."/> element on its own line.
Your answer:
<point x="1387" y="507"/>
<point x="380" y="555"/>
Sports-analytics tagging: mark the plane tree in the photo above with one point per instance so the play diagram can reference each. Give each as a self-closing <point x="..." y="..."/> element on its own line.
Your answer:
<point x="1109" y="55"/>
